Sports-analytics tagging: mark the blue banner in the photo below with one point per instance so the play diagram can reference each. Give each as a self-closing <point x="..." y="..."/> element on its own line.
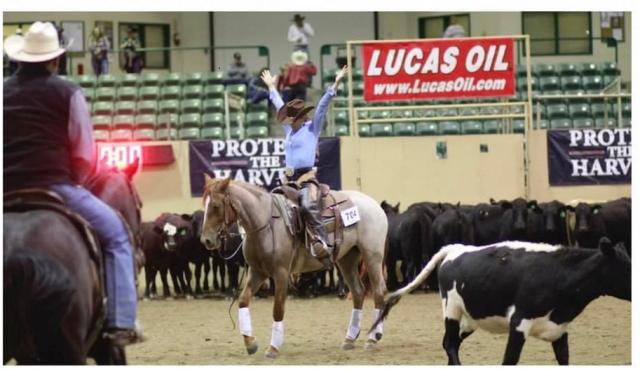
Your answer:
<point x="257" y="161"/>
<point x="589" y="156"/>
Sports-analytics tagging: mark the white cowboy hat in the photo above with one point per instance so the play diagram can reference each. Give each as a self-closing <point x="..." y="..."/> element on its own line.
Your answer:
<point x="39" y="44"/>
<point x="299" y="57"/>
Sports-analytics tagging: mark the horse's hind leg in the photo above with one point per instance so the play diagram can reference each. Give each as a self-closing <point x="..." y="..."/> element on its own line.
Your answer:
<point x="281" y="282"/>
<point x="254" y="280"/>
<point x="376" y="277"/>
<point x="348" y="265"/>
<point x="207" y="268"/>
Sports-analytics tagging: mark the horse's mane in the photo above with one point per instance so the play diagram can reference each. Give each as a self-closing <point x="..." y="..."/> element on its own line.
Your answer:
<point x="253" y="189"/>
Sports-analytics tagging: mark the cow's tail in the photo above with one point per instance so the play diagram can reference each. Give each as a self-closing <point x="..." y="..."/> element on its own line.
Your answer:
<point x="395" y="297"/>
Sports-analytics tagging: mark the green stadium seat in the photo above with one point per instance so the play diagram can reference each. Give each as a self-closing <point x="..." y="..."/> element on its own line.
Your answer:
<point x="239" y="90"/>
<point x="214" y="78"/>
<point x="589" y="69"/>
<point x="329" y="75"/>
<point x="190" y="120"/>
<point x="449" y="112"/>
<point x="521" y="71"/>
<point x="107" y="80"/>
<point x="341" y="103"/>
<point x="149" y="93"/>
<point x="381" y="129"/>
<point x="539" y="108"/>
<point x="571" y="83"/>
<point x="626" y="122"/>
<point x="105" y="94"/>
<point x="214" y="92"/>
<point x="121" y="135"/>
<point x="592" y="82"/>
<point x="145" y="121"/>
<point x="358" y="88"/>
<point x="362" y="114"/>
<point x="550" y="83"/>
<point x="600" y="110"/>
<point x="89" y="94"/>
<point x="103" y="108"/>
<point x="516" y="109"/>
<point x="579" y="111"/>
<point x="101" y="135"/>
<point x="86" y="81"/>
<point x="521" y="84"/>
<point x="555" y="111"/>
<point x="626" y="110"/>
<point x="404" y="129"/>
<point x="427" y="128"/>
<point x="171" y="79"/>
<point x="194" y="78"/>
<point x="257" y="119"/>
<point x="543" y="124"/>
<point x="607" y="80"/>
<point x="341" y="117"/>
<point x="568" y="69"/>
<point x="449" y="128"/>
<point x="129" y="80"/>
<point x="581" y="123"/>
<point x="562" y="123"/>
<point x="545" y="70"/>
<point x="213" y="106"/>
<point x="191" y="133"/>
<point x="574" y="100"/>
<point x="170" y="93"/>
<point x="167" y="120"/>
<point x="164" y="134"/>
<point x="191" y="106"/>
<point x="147" y="107"/>
<point x="212" y="120"/>
<point x="342" y="130"/>
<point x="489" y="110"/>
<point x="469" y="111"/>
<point x="609" y="69"/>
<point x="379" y="114"/>
<point x="125" y="107"/>
<point x="212" y="133"/>
<point x="101" y="122"/>
<point x="235" y="132"/>
<point x="127" y="93"/>
<point x="554" y="100"/>
<point x="518" y="126"/>
<point x="364" y="130"/>
<point x="606" y="122"/>
<point x="257" y="132"/>
<point x="261" y="107"/>
<point x="144" y="134"/>
<point x="471" y="127"/>
<point x="192" y="92"/>
<point x="123" y="121"/>
<point x="357" y="74"/>
<point x="492" y="126"/>
<point x="150" y="79"/>
<point x="235" y="118"/>
<point x="169" y="106"/>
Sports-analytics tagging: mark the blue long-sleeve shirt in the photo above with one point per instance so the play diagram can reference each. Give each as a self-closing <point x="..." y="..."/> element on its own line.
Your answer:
<point x="300" y="146"/>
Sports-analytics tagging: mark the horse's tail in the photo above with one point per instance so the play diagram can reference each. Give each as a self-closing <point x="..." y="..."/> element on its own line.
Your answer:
<point x="37" y="295"/>
<point x="395" y="297"/>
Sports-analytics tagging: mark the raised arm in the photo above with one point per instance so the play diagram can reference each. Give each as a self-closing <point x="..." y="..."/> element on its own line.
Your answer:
<point x="323" y="104"/>
<point x="274" y="95"/>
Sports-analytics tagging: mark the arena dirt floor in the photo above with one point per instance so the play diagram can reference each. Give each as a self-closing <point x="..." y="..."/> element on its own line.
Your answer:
<point x="199" y="331"/>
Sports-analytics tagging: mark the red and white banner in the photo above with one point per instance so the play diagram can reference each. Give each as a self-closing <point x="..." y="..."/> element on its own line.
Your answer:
<point x="432" y="69"/>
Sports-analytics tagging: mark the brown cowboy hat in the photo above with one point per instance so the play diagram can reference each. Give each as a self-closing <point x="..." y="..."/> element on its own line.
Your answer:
<point x="297" y="17"/>
<point x="293" y="111"/>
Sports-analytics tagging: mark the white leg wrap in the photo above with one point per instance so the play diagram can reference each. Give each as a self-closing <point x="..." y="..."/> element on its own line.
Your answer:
<point x="354" y="324"/>
<point x="277" y="334"/>
<point x="378" y="329"/>
<point x="244" y="321"/>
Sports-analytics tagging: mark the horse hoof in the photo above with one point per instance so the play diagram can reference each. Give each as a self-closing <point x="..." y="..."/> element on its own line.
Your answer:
<point x="251" y="344"/>
<point x="271" y="353"/>
<point x="378" y="336"/>
<point x="371" y="345"/>
<point x="348" y="344"/>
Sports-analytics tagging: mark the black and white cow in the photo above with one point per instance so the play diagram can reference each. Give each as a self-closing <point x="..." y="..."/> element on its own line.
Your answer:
<point x="521" y="288"/>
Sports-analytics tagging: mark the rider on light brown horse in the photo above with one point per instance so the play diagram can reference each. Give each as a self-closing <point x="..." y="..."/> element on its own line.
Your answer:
<point x="301" y="142"/>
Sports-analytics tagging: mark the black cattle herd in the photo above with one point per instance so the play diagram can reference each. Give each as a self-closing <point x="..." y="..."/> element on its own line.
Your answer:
<point x="414" y="236"/>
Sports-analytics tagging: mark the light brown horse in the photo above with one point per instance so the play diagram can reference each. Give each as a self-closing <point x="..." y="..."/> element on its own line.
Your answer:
<point x="271" y="251"/>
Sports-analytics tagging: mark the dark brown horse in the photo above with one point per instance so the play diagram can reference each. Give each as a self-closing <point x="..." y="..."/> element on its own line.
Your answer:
<point x="53" y="307"/>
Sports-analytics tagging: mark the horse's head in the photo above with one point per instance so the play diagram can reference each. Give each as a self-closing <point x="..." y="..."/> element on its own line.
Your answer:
<point x="219" y="214"/>
<point x="175" y="229"/>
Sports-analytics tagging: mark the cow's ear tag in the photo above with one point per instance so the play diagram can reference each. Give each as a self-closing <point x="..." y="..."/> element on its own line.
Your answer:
<point x="562" y="214"/>
<point x="595" y="211"/>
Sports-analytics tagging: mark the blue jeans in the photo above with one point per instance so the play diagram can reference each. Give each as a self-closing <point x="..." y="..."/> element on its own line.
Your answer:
<point x="100" y="66"/>
<point x="117" y="251"/>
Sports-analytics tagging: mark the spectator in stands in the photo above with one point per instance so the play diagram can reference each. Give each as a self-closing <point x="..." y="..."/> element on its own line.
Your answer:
<point x="99" y="46"/>
<point x="62" y="39"/>
<point x="299" y="33"/>
<point x="257" y="90"/>
<point x="132" y="59"/>
<point x="297" y="76"/>
<point x="48" y="143"/>
<point x="455" y="30"/>
<point x="238" y="71"/>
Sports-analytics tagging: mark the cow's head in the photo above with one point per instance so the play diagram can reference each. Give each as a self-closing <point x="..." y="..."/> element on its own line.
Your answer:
<point x="175" y="229"/>
<point x="584" y="215"/>
<point x="554" y="215"/>
<point x="390" y="209"/>
<point x="616" y="270"/>
<point x="520" y="209"/>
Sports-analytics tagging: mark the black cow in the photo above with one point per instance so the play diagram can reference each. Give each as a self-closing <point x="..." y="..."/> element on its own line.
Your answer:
<point x="158" y="260"/>
<point x="523" y="289"/>
<point x="611" y="219"/>
<point x="194" y="251"/>
<point x="486" y="220"/>
<point x="552" y="227"/>
<point x="394" y="251"/>
<point x="520" y="220"/>
<point x="173" y="228"/>
<point x="451" y="227"/>
<point x="232" y="256"/>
